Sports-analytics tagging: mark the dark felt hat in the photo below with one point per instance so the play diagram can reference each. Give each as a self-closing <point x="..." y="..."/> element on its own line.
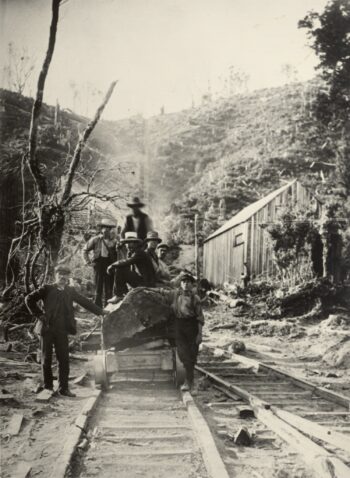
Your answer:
<point x="135" y="202"/>
<point x="153" y="236"/>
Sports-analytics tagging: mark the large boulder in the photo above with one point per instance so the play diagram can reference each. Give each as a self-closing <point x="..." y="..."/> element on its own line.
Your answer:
<point x="143" y="315"/>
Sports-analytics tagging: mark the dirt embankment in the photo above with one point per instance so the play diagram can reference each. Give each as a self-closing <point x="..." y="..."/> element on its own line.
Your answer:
<point x="38" y="438"/>
<point x="311" y="340"/>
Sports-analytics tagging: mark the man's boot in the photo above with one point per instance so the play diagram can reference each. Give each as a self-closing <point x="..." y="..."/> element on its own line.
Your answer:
<point x="185" y="387"/>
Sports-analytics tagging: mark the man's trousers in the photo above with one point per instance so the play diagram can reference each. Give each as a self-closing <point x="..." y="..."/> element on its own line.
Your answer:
<point x="186" y="331"/>
<point x="124" y="276"/>
<point x="103" y="281"/>
<point x="59" y="340"/>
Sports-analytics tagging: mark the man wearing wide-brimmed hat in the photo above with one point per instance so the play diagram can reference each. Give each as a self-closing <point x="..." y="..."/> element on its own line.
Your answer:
<point x="103" y="247"/>
<point x="137" y="270"/>
<point x="55" y="322"/>
<point x="138" y="221"/>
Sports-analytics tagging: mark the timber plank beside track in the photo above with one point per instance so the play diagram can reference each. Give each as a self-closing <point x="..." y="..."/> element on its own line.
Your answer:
<point x="291" y="397"/>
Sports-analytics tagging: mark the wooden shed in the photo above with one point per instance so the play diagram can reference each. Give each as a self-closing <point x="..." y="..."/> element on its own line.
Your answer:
<point x="242" y="239"/>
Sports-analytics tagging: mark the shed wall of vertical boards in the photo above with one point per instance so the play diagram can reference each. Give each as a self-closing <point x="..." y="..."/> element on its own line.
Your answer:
<point x="223" y="261"/>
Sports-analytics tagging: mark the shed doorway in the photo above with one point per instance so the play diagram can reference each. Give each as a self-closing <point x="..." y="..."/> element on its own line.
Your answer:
<point x="237" y="266"/>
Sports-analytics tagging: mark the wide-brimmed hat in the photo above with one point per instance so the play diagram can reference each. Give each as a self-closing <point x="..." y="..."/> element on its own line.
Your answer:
<point x="135" y="202"/>
<point x="62" y="268"/>
<point x="130" y="237"/>
<point x="153" y="236"/>
<point x="163" y="246"/>
<point x="106" y="223"/>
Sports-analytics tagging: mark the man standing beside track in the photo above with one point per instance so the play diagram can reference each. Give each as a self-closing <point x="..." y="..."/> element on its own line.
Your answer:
<point x="55" y="322"/>
<point x="103" y="247"/>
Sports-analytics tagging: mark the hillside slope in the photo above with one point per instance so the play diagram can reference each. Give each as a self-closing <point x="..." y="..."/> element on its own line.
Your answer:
<point x="215" y="158"/>
<point x="223" y="155"/>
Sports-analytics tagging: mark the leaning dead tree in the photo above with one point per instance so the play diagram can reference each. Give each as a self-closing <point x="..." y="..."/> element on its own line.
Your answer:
<point x="40" y="238"/>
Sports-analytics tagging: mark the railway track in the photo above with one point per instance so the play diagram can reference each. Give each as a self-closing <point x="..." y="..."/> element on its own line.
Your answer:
<point x="142" y="430"/>
<point x="312" y="421"/>
<point x="144" y="427"/>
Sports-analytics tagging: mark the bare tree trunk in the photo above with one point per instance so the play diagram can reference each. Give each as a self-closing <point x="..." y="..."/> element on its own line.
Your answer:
<point x="81" y="144"/>
<point x="38" y="177"/>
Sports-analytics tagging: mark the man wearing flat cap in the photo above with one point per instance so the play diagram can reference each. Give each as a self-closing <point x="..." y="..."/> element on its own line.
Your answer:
<point x="163" y="275"/>
<point x="152" y="240"/>
<point x="136" y="271"/>
<point x="161" y="270"/>
<point x="55" y="322"/>
<point x="103" y="247"/>
<point x="189" y="320"/>
<point x="138" y="221"/>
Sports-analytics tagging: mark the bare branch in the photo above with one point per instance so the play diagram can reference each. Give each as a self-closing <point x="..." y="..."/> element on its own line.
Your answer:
<point x="47" y="268"/>
<point x="102" y="197"/>
<point x="38" y="177"/>
<point x="33" y="264"/>
<point x="27" y="266"/>
<point x="81" y="144"/>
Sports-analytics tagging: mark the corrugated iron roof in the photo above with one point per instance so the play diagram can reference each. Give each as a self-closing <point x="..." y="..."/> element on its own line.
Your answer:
<point x="248" y="211"/>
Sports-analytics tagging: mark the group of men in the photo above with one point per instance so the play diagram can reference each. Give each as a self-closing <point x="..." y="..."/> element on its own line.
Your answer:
<point x="142" y="266"/>
<point x="137" y="260"/>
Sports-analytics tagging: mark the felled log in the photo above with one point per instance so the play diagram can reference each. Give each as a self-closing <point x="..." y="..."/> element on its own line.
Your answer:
<point x="142" y="316"/>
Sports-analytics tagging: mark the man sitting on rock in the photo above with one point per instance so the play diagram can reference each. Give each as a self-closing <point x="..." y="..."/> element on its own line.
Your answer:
<point x="136" y="271"/>
<point x="55" y="322"/>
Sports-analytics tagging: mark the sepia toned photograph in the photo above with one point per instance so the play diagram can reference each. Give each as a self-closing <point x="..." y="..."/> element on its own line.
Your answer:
<point x="175" y="238"/>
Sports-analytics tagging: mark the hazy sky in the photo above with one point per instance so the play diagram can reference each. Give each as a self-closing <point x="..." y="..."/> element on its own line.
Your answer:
<point x="164" y="52"/>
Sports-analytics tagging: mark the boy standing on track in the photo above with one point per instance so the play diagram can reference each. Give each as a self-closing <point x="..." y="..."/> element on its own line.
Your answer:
<point x="188" y="324"/>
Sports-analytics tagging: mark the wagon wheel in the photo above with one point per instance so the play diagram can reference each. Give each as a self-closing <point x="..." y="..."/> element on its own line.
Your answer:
<point x="100" y="370"/>
<point x="179" y="370"/>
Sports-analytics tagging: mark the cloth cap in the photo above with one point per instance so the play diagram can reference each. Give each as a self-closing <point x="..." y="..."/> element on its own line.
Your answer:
<point x="163" y="246"/>
<point x="130" y="237"/>
<point x="62" y="268"/>
<point x="186" y="276"/>
<point x="135" y="202"/>
<point x="153" y="236"/>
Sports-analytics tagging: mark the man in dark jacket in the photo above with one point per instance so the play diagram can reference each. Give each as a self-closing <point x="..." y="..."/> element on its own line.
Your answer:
<point x="152" y="240"/>
<point x="54" y="324"/>
<point x="103" y="247"/>
<point x="188" y="324"/>
<point x="138" y="221"/>
<point x="137" y="270"/>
